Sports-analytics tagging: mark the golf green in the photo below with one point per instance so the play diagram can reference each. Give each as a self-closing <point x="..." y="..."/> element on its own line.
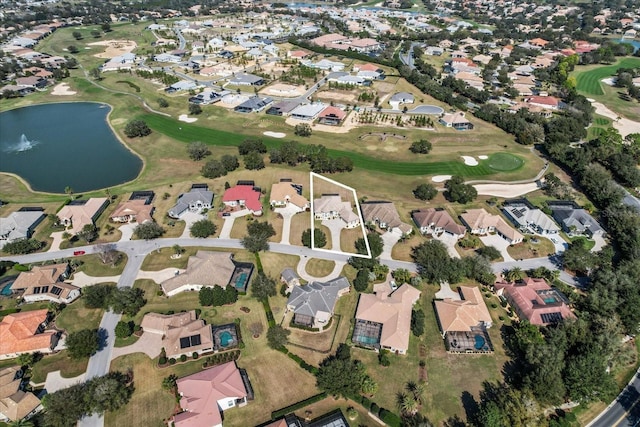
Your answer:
<point x="504" y="162"/>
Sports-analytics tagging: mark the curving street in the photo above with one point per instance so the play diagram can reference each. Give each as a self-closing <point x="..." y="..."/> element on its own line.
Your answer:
<point x="625" y="410"/>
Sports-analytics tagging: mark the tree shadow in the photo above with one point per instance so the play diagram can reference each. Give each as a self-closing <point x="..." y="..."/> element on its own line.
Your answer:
<point x="103" y="335"/>
<point x="455" y="421"/>
<point x="471" y="408"/>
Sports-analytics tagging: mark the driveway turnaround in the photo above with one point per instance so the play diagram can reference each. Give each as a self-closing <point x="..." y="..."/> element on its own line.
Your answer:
<point x="446" y="292"/>
<point x="56" y="382"/>
<point x="287" y="213"/>
<point x="450" y="242"/>
<point x="80" y="279"/>
<point x="335" y="226"/>
<point x="149" y="344"/>
<point x="160" y="275"/>
<point x="302" y="271"/>
<point x="189" y="218"/>
<point x="499" y="243"/>
<point x="225" y="233"/>
<point x="389" y="239"/>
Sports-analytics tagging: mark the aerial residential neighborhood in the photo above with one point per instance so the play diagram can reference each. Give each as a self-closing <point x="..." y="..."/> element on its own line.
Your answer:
<point x="320" y="214"/>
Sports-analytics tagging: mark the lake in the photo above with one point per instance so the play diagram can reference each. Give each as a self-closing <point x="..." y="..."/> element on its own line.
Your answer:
<point x="634" y="43"/>
<point x="52" y="146"/>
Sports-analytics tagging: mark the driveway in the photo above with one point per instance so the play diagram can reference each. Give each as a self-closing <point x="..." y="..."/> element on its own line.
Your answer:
<point x="80" y="279"/>
<point x="389" y="239"/>
<point x="57" y="239"/>
<point x="287" y="213"/>
<point x="127" y="231"/>
<point x="600" y="243"/>
<point x="189" y="218"/>
<point x="225" y="233"/>
<point x="302" y="270"/>
<point x="499" y="243"/>
<point x="160" y="275"/>
<point x="55" y="381"/>
<point x="149" y="344"/>
<point x="335" y="226"/>
<point x="450" y="242"/>
<point x="446" y="292"/>
<point x="560" y="245"/>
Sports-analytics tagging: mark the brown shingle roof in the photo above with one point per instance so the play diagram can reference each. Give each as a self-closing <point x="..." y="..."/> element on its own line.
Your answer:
<point x="81" y="215"/>
<point x="456" y="315"/>
<point x="481" y="219"/>
<point x="437" y="218"/>
<point x="204" y="268"/>
<point x="135" y="208"/>
<point x="385" y="212"/>
<point x="283" y="191"/>
<point x="393" y="312"/>
<point x="40" y="276"/>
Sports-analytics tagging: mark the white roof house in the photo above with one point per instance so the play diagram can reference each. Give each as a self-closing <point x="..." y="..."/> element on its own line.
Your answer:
<point x="307" y="111"/>
<point x="20" y="225"/>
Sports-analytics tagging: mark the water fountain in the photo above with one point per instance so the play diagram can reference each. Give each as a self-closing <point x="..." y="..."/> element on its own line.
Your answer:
<point x="24" y="144"/>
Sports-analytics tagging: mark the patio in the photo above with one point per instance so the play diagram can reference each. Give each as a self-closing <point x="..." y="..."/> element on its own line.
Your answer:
<point x="476" y="341"/>
<point x="225" y="337"/>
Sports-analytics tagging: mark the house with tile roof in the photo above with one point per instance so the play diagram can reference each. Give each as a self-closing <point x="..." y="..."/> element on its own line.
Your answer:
<point x="20" y="225"/>
<point x="547" y="102"/>
<point x="528" y="218"/>
<point x="456" y="121"/>
<point x="332" y="116"/>
<point x="46" y="283"/>
<point x="182" y="333"/>
<point x="463" y="315"/>
<point x="206" y="269"/>
<point x="195" y="200"/>
<point x="243" y="196"/>
<point x="286" y="193"/>
<point x="331" y="206"/>
<point x="78" y="213"/>
<point x="575" y="221"/>
<point x="386" y="216"/>
<point x="313" y="304"/>
<point x="436" y="221"/>
<point x="25" y="333"/>
<point x="136" y="210"/>
<point x="481" y="222"/>
<point x="16" y="403"/>
<point x="383" y="319"/>
<point x="206" y="394"/>
<point x="536" y="301"/>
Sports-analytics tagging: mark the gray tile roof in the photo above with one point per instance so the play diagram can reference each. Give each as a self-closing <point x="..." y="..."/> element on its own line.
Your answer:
<point x="316" y="296"/>
<point x="19" y="225"/>
<point x="194" y="196"/>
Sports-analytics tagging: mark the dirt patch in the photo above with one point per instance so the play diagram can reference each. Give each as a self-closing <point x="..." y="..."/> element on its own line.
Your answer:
<point x="62" y="89"/>
<point x="283" y="90"/>
<point x="382" y="136"/>
<point x="114" y="48"/>
<point x="337" y="96"/>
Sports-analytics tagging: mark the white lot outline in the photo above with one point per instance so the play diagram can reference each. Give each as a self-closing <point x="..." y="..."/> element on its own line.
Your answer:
<point x="355" y="198"/>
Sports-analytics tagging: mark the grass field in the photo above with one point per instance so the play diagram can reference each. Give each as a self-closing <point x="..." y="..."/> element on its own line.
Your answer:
<point x="504" y="162"/>
<point x="588" y="81"/>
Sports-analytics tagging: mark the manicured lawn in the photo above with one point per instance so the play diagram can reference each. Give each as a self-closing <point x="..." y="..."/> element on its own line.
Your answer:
<point x="92" y="266"/>
<point x="348" y="237"/>
<point x="504" y="162"/>
<point x="319" y="267"/>
<point x="528" y="249"/>
<point x="589" y="81"/>
<point x="76" y="316"/>
<point x="67" y="366"/>
<point x="188" y="132"/>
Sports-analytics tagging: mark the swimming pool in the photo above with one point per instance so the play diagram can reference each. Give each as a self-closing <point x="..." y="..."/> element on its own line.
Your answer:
<point x="226" y="339"/>
<point x="241" y="281"/>
<point x="6" y="289"/>
<point x="366" y="340"/>
<point x="479" y="342"/>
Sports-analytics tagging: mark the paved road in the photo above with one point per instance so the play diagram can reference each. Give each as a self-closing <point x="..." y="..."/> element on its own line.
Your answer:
<point x="625" y="410"/>
<point x="551" y="263"/>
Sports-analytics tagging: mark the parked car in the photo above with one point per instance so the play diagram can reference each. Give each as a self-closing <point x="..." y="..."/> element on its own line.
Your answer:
<point x="78" y="253"/>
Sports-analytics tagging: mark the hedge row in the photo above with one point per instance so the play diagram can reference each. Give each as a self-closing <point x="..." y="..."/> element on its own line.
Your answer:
<point x="291" y="408"/>
<point x="267" y="309"/>
<point x="9" y="311"/>
<point x="346" y="53"/>
<point x="385" y="415"/>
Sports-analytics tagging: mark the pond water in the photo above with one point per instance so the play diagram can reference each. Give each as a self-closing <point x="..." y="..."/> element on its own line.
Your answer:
<point x="634" y="43"/>
<point x="52" y="146"/>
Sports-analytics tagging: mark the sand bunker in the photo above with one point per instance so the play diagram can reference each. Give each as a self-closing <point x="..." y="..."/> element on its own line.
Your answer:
<point x="62" y="90"/>
<point x="624" y="126"/>
<point x="470" y="161"/>
<point x="483" y="157"/>
<point x="114" y="48"/>
<point x="186" y="119"/>
<point x="274" y="134"/>
<point x="441" y="178"/>
<point x="505" y="190"/>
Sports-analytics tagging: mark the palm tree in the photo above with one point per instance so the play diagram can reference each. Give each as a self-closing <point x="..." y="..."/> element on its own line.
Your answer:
<point x="69" y="191"/>
<point x="25" y="359"/>
<point x="513" y="275"/>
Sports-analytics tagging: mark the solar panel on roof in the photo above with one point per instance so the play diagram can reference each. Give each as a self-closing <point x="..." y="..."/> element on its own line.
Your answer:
<point x="195" y="340"/>
<point x="185" y="342"/>
<point x="551" y="317"/>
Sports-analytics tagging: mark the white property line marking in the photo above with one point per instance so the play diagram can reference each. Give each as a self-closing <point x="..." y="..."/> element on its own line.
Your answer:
<point x="355" y="198"/>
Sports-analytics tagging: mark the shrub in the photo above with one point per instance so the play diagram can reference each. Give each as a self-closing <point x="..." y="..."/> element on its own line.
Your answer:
<point x="374" y="408"/>
<point x="195" y="355"/>
<point x="183" y="358"/>
<point x="172" y="361"/>
<point x="390" y="418"/>
<point x="162" y="360"/>
<point x="292" y="408"/>
<point x="136" y="128"/>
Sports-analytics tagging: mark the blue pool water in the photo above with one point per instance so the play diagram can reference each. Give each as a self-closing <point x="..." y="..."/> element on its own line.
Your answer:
<point x="226" y="338"/>
<point x="6" y="290"/>
<point x="240" y="281"/>
<point x="367" y="340"/>
<point x="479" y="342"/>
